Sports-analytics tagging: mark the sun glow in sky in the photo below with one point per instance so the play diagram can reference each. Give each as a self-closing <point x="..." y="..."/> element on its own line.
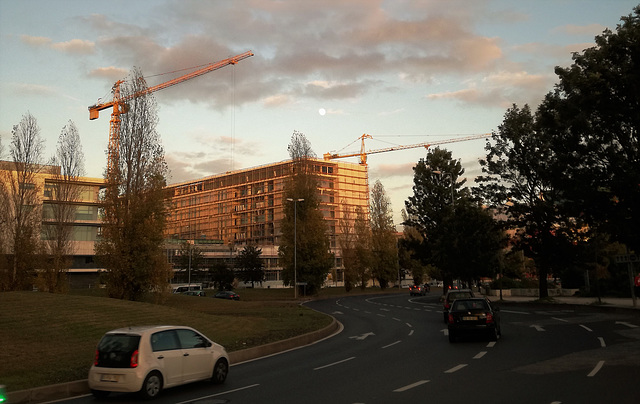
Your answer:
<point x="403" y="71"/>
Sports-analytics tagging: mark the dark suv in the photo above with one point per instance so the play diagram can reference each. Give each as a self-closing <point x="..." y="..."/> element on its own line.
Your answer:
<point x="452" y="295"/>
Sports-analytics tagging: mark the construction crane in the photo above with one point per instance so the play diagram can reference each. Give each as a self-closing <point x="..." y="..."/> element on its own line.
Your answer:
<point x="119" y="104"/>
<point x="363" y="153"/>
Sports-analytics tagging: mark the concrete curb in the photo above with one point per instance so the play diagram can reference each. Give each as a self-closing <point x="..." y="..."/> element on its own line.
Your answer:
<point x="80" y="387"/>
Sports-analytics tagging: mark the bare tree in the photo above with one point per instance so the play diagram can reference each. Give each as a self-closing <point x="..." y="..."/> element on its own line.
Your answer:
<point x="60" y="211"/>
<point x="21" y="187"/>
<point x="133" y="205"/>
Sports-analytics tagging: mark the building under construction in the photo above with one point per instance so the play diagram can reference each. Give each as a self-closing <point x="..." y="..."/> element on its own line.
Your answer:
<point x="225" y="212"/>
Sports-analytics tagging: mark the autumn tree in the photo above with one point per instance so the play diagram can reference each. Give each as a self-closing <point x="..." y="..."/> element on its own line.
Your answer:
<point x="190" y="260"/>
<point x="384" y="265"/>
<point x="304" y="244"/>
<point x="249" y="265"/>
<point x="133" y="205"/>
<point x="60" y="213"/>
<point x="21" y="185"/>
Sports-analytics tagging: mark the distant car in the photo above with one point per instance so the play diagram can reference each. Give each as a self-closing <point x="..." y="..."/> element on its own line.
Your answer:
<point x="417" y="290"/>
<point x="453" y="294"/>
<point x="148" y="359"/>
<point x="426" y="287"/>
<point x="195" y="293"/>
<point x="473" y="316"/>
<point x="227" y="294"/>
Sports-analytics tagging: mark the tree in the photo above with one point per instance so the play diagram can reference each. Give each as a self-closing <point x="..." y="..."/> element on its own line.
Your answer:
<point x="21" y="187"/>
<point x="407" y="245"/>
<point x="250" y="266"/>
<point x="222" y="276"/>
<point x="518" y="184"/>
<point x="592" y="118"/>
<point x="190" y="259"/>
<point x="63" y="192"/>
<point x="304" y="233"/>
<point x="383" y="237"/>
<point x="133" y="205"/>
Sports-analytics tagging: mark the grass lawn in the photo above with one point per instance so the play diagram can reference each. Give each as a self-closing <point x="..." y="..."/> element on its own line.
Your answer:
<point x="51" y="338"/>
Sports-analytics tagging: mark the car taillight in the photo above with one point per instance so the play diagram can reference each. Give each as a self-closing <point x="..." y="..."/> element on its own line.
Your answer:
<point x="97" y="358"/>
<point x="134" y="359"/>
<point x="489" y="318"/>
<point x="450" y="318"/>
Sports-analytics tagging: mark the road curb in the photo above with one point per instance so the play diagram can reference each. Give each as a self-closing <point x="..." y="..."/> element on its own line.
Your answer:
<point x="80" y="387"/>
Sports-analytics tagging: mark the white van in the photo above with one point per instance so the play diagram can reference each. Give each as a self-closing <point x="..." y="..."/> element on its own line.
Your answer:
<point x="185" y="287"/>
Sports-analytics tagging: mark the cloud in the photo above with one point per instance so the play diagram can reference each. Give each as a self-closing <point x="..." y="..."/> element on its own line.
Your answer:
<point x="571" y="29"/>
<point x="112" y="73"/>
<point x="74" y="46"/>
<point x="34" y="89"/>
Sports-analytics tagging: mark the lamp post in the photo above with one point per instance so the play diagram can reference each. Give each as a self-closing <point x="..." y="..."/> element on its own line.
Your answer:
<point x="295" y="245"/>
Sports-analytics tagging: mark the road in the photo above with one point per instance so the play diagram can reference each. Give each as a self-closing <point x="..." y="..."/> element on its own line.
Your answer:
<point x="394" y="349"/>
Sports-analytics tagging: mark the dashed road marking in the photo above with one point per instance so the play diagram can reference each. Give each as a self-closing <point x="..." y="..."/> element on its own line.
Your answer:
<point x="602" y="343"/>
<point x="455" y="368"/>
<point x="410" y="386"/>
<point x="596" y="369"/>
<point x="586" y="328"/>
<point x="334" y="363"/>
<point x="391" y="344"/>
<point x="480" y="355"/>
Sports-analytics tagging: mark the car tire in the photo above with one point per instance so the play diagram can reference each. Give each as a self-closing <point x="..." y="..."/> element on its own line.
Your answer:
<point x="100" y="394"/>
<point x="445" y="317"/>
<point x="452" y="337"/>
<point x="152" y="386"/>
<point x="220" y="371"/>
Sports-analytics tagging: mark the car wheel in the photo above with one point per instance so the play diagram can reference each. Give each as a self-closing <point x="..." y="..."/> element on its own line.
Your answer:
<point x="220" y="371"/>
<point x="452" y="337"/>
<point x="445" y="317"/>
<point x="100" y="393"/>
<point x="152" y="386"/>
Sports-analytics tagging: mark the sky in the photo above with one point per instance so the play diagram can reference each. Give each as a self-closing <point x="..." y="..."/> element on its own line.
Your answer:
<point x="402" y="71"/>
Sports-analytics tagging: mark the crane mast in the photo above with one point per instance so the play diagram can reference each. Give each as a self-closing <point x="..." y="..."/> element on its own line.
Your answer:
<point x="363" y="154"/>
<point x="119" y="104"/>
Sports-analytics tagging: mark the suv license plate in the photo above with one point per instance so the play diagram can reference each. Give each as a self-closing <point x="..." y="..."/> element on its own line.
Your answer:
<point x="469" y="318"/>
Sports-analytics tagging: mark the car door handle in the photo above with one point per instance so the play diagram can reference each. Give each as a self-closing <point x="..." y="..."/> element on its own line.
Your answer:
<point x="161" y="357"/>
<point x="186" y="354"/>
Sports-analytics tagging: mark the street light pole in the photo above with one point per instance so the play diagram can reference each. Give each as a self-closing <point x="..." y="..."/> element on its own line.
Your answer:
<point x="295" y="245"/>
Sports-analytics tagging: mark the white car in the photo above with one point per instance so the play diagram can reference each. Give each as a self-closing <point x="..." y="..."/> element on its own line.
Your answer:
<point x="148" y="359"/>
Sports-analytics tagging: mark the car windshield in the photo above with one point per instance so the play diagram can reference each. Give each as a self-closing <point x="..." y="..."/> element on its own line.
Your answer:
<point x="469" y="305"/>
<point x="115" y="350"/>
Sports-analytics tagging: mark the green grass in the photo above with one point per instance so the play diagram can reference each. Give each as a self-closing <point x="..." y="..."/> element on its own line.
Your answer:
<point x="51" y="338"/>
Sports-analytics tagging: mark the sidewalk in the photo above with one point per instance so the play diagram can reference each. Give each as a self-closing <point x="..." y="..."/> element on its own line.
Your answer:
<point x="617" y="302"/>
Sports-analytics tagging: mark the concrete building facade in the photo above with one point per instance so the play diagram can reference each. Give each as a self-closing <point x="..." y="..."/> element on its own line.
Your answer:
<point x="225" y="212"/>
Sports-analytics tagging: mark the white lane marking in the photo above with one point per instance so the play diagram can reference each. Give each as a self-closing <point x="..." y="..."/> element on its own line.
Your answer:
<point x="556" y="402"/>
<point x="391" y="344"/>
<point x="334" y="363"/>
<point x="491" y="344"/>
<point x="411" y="333"/>
<point x="445" y="331"/>
<point x="627" y="324"/>
<point x="586" y="328"/>
<point x="356" y="309"/>
<point x="219" y="394"/>
<point x="596" y="369"/>
<point x="337" y="312"/>
<point x="480" y="354"/>
<point x="409" y="325"/>
<point x="385" y="310"/>
<point x="537" y="327"/>
<point x="361" y="337"/>
<point x="560" y="319"/>
<point x="455" y="368"/>
<point x="515" y="312"/>
<point x="410" y="386"/>
<point x="381" y="315"/>
<point x="602" y="343"/>
<point x="397" y="319"/>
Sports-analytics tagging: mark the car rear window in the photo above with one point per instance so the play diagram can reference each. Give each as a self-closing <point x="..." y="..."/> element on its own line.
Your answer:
<point x="459" y="295"/>
<point x="469" y="305"/>
<point x="115" y="350"/>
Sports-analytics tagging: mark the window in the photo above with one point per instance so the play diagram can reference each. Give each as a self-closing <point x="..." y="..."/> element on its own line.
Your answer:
<point x="164" y="341"/>
<point x="191" y="339"/>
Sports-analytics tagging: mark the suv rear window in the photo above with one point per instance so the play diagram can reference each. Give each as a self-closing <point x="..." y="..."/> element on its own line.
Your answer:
<point x="115" y="350"/>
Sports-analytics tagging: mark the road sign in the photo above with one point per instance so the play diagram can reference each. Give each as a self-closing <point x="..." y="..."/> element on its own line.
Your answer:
<point x="626" y="258"/>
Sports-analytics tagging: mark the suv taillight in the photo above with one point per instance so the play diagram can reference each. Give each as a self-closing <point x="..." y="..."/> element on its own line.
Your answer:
<point x="450" y="318"/>
<point x="489" y="318"/>
<point x="97" y="358"/>
<point x="134" y="359"/>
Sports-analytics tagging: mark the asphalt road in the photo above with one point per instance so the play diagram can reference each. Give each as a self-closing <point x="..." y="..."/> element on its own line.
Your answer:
<point x="394" y="349"/>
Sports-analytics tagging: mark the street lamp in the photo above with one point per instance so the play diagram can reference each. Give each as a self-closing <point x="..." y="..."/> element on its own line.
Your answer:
<point x="453" y="203"/>
<point x="295" y="245"/>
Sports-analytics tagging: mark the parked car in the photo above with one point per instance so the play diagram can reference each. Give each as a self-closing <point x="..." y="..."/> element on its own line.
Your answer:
<point x="426" y="287"/>
<point x="473" y="316"/>
<point x="148" y="359"/>
<point x="453" y="294"/>
<point x="195" y="293"/>
<point x="417" y="290"/>
<point x="227" y="294"/>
